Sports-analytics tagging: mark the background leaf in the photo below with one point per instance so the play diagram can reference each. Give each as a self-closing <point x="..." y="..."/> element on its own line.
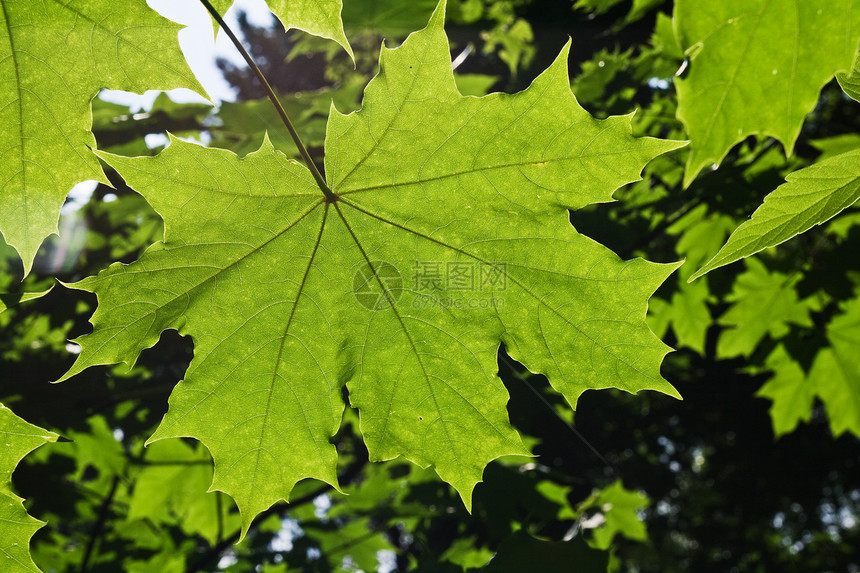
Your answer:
<point x="756" y="68"/>
<point x="763" y="303"/>
<point x="809" y="197"/>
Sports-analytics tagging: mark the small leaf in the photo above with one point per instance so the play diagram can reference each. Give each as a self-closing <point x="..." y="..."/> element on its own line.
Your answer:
<point x="809" y="197"/>
<point x="8" y="300"/>
<point x="789" y="390"/>
<point x="834" y="378"/>
<point x="850" y="82"/>
<point x="318" y="17"/>
<point x="17" y="439"/>
<point x="54" y="57"/>
<point x="620" y="509"/>
<point x="763" y="303"/>
<point x="756" y="67"/>
<point x="835" y="372"/>
<point x="687" y="312"/>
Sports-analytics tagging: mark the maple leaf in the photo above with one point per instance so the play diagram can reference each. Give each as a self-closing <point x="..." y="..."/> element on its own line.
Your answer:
<point x="619" y="514"/>
<point x="17" y="439"/>
<point x="835" y="373"/>
<point x="763" y="303"/>
<point x="318" y="17"/>
<point x="834" y="378"/>
<point x="54" y="57"/>
<point x="688" y="314"/>
<point x="809" y="197"/>
<point x="792" y="395"/>
<point x="289" y="295"/>
<point x="756" y="67"/>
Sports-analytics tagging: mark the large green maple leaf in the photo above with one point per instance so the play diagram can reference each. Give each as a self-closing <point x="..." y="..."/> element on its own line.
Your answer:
<point x="54" y="57"/>
<point x="17" y="439"/>
<point x="449" y="234"/>
<point x="756" y="67"/>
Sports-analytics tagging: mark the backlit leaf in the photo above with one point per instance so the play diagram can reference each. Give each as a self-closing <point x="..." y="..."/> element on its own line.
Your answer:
<point x="54" y="57"/>
<point x="449" y="235"/>
<point x="317" y="17"/>
<point x="809" y="197"/>
<point x="789" y="390"/>
<point x="619" y="508"/>
<point x="835" y="373"/>
<point x="763" y="303"/>
<point x="17" y="439"/>
<point x="756" y="67"/>
<point x="834" y="378"/>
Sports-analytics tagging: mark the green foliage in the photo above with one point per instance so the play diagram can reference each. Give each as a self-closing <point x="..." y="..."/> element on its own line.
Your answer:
<point x="756" y="69"/>
<point x="318" y="17"/>
<point x="325" y="333"/>
<point x="763" y="303"/>
<point x="11" y="299"/>
<point x="617" y="514"/>
<point x="835" y="375"/>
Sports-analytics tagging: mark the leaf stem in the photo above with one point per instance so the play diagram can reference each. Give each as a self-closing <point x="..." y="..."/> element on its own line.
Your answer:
<point x="96" y="532"/>
<point x="303" y="151"/>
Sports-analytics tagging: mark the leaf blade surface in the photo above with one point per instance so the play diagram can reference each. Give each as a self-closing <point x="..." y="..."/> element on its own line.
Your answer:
<point x="809" y="197"/>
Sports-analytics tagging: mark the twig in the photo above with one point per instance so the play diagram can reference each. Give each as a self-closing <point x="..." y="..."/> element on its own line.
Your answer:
<point x="99" y="525"/>
<point x="278" y="509"/>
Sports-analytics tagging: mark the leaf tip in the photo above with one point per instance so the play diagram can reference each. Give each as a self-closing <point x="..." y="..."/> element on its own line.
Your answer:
<point x="438" y="17"/>
<point x="690" y="173"/>
<point x="699" y="273"/>
<point x="266" y="146"/>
